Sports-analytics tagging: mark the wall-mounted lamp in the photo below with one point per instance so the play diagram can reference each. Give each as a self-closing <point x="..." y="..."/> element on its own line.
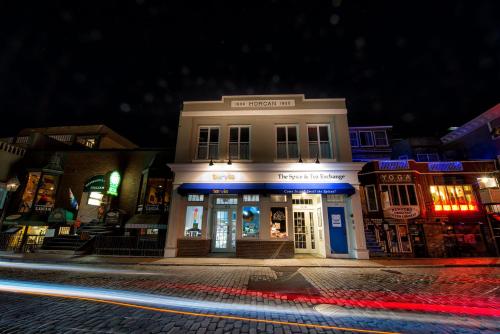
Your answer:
<point x="229" y="162"/>
<point x="300" y="159"/>
<point x="211" y="163"/>
<point x="317" y="159"/>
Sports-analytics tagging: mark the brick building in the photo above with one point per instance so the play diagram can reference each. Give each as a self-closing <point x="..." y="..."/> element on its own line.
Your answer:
<point x="427" y="209"/>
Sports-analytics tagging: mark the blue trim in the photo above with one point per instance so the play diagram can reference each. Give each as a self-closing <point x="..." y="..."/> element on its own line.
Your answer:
<point x="266" y="188"/>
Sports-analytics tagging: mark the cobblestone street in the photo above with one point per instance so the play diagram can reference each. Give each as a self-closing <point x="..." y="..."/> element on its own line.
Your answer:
<point x="409" y="300"/>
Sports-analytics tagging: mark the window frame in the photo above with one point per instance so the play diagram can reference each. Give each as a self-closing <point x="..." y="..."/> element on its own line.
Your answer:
<point x="286" y="126"/>
<point x="408" y="197"/>
<point x="386" y="138"/>
<point x="318" y="141"/>
<point x="239" y="127"/>
<point x="209" y="127"/>
<point x="371" y="136"/>
<point x="372" y="186"/>
<point x="355" y="133"/>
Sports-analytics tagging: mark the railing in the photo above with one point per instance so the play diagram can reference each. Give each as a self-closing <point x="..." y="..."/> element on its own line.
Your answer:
<point x="128" y="246"/>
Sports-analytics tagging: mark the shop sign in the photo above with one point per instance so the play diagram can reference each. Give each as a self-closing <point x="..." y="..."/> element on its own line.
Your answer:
<point x="395" y="178"/>
<point x="402" y="212"/>
<point x="262" y="103"/>
<point x="114" y="180"/>
<point x="312" y="177"/>
<point x="94" y="184"/>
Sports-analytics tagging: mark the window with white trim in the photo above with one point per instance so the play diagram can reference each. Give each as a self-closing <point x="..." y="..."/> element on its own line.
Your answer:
<point x="319" y="141"/>
<point x="380" y="138"/>
<point x="195" y="198"/>
<point x="287" y="146"/>
<point x="239" y="142"/>
<point x="353" y="135"/>
<point x="400" y="194"/>
<point x="371" y="198"/>
<point x="208" y="143"/>
<point x="251" y="198"/>
<point x="365" y="138"/>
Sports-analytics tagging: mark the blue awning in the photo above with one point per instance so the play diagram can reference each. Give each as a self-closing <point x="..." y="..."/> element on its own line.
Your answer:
<point x="266" y="188"/>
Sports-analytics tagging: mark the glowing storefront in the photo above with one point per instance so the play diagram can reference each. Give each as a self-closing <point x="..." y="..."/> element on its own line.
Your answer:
<point x="265" y="177"/>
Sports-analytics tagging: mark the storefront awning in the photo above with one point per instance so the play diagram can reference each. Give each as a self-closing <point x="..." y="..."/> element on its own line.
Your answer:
<point x="266" y="188"/>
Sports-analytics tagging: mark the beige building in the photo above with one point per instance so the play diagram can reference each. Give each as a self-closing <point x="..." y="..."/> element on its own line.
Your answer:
<point x="265" y="176"/>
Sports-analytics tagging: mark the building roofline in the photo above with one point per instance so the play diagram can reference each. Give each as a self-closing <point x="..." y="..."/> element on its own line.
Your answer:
<point x="473" y="124"/>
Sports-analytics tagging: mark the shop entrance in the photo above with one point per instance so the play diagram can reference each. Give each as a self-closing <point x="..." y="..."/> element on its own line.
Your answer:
<point x="305" y="223"/>
<point x="224" y="225"/>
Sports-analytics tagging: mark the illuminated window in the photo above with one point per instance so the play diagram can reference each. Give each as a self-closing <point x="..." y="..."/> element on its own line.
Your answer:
<point x="371" y="198"/>
<point x="239" y="142"/>
<point x="250" y="198"/>
<point x="208" y="143"/>
<point x="278" y="198"/>
<point x="319" y="141"/>
<point x="95" y="199"/>
<point x="251" y="221"/>
<point x="88" y="141"/>
<point x="278" y="223"/>
<point x="453" y="198"/>
<point x="399" y="194"/>
<point x="487" y="182"/>
<point x="46" y="195"/>
<point x="195" y="198"/>
<point x="194" y="218"/>
<point x="286" y="141"/>
<point x="226" y="201"/>
<point x="29" y="192"/>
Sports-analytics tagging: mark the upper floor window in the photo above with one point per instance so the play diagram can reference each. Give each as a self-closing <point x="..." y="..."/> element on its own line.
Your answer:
<point x="319" y="141"/>
<point x="380" y="138"/>
<point x="365" y="138"/>
<point x="286" y="142"/>
<point x="371" y="198"/>
<point x="88" y="141"/>
<point x="398" y="194"/>
<point x="453" y="198"/>
<point x="208" y="143"/>
<point x="239" y="142"/>
<point x="427" y="157"/>
<point x="354" y="138"/>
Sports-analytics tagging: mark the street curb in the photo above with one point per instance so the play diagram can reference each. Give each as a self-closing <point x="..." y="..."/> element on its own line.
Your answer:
<point x="70" y="261"/>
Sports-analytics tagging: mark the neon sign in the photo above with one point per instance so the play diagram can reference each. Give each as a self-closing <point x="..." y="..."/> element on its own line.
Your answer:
<point x="114" y="183"/>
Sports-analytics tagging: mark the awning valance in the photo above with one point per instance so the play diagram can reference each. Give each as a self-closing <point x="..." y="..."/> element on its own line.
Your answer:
<point x="266" y="188"/>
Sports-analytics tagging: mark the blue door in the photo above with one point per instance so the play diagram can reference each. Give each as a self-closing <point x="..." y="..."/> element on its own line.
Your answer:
<point x="338" y="233"/>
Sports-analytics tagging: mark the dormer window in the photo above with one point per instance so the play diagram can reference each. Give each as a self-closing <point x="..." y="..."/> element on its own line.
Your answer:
<point x="87" y="141"/>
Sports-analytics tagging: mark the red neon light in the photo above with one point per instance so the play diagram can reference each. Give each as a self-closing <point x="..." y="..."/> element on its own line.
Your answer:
<point x="463" y="207"/>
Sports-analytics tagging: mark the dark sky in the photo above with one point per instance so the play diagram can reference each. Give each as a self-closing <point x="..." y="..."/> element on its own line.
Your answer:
<point x="420" y="65"/>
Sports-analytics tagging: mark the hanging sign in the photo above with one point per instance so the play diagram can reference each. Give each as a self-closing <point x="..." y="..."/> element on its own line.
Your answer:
<point x="114" y="179"/>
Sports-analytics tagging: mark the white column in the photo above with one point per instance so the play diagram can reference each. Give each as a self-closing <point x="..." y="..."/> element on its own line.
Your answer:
<point x="360" y="250"/>
<point x="174" y="223"/>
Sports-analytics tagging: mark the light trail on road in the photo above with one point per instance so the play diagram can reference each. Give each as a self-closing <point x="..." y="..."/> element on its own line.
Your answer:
<point x="137" y="300"/>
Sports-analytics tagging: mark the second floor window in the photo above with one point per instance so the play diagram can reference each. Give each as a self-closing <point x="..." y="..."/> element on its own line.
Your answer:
<point x="319" y="141"/>
<point x="286" y="141"/>
<point x="380" y="138"/>
<point x="365" y="138"/>
<point x="239" y="142"/>
<point x="371" y="198"/>
<point x="398" y="195"/>
<point x="208" y="143"/>
<point x="354" y="138"/>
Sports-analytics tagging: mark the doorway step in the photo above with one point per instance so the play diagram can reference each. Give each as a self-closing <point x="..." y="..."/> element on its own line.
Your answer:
<point x="66" y="244"/>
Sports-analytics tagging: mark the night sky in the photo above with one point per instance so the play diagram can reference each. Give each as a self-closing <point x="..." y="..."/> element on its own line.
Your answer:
<point x="421" y="66"/>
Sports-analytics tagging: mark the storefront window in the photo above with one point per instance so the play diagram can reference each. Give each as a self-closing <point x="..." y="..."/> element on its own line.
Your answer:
<point x="453" y="198"/>
<point x="29" y="192"/>
<point x="403" y="194"/>
<point x="251" y="221"/>
<point x="45" y="198"/>
<point x="156" y="194"/>
<point x="194" y="217"/>
<point x="487" y="182"/>
<point x="95" y="198"/>
<point x="278" y="223"/>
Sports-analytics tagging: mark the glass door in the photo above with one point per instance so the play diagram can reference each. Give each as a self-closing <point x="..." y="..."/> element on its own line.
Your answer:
<point x="224" y="239"/>
<point x="304" y="231"/>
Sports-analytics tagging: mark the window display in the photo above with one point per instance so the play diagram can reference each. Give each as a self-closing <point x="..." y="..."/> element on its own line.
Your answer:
<point x="45" y="198"/>
<point x="194" y="217"/>
<point x="29" y="192"/>
<point x="251" y="221"/>
<point x="278" y="223"/>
